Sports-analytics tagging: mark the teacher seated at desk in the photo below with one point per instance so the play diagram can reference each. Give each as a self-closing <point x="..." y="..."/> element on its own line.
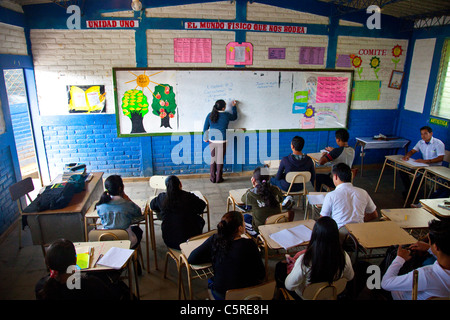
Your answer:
<point x="296" y="161"/>
<point x="433" y="152"/>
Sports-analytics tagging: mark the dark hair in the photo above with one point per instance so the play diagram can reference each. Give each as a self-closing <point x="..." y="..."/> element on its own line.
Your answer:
<point x="172" y="191"/>
<point x="263" y="188"/>
<point x="226" y="231"/>
<point x="298" y="143"/>
<point x="439" y="234"/>
<point x="343" y="172"/>
<point x="59" y="256"/>
<point x="113" y="187"/>
<point x="324" y="254"/>
<point x="342" y="135"/>
<point x="426" y="128"/>
<point x="218" y="106"/>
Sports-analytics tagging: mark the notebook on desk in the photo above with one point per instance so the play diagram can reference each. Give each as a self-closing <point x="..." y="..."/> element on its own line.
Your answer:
<point x="288" y="238"/>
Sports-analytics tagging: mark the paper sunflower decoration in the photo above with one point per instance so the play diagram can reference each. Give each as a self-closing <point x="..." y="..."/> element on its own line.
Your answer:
<point x="396" y="52"/>
<point x="375" y="65"/>
<point x="309" y="113"/>
<point x="356" y="62"/>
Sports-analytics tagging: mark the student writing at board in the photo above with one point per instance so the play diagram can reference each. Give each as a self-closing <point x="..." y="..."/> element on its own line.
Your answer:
<point x="214" y="132"/>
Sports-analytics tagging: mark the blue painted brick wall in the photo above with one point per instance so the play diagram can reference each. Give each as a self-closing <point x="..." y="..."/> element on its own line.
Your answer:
<point x="9" y="210"/>
<point x="96" y="145"/>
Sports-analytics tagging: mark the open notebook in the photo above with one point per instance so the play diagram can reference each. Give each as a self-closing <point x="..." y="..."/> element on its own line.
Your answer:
<point x="115" y="257"/>
<point x="288" y="238"/>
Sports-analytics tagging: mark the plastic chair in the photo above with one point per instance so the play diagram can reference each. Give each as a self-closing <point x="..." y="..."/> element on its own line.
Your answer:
<point x="17" y="191"/>
<point x="194" y="271"/>
<point x="263" y="291"/>
<point x="297" y="177"/>
<point x="324" y="290"/>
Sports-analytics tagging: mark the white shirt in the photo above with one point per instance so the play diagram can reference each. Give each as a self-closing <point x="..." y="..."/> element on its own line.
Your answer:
<point x="297" y="280"/>
<point x="433" y="149"/>
<point x="433" y="281"/>
<point x="347" y="204"/>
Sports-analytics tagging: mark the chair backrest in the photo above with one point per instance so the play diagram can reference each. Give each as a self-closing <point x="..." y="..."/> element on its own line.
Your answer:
<point x="21" y="188"/>
<point x="447" y="157"/>
<point x="354" y="172"/>
<point x="324" y="290"/>
<point x="298" y="177"/>
<point x="264" y="291"/>
<point x="108" y="234"/>
<point x="277" y="218"/>
<point x="158" y="183"/>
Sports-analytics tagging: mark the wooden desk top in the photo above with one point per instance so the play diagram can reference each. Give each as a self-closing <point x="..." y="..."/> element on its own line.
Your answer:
<point x="315" y="156"/>
<point x="101" y="247"/>
<point x="432" y="206"/>
<point x="398" y="159"/>
<point x="79" y="200"/>
<point x="268" y="229"/>
<point x="237" y="194"/>
<point x="440" y="171"/>
<point x="379" y="234"/>
<point x="189" y="246"/>
<point x="372" y="143"/>
<point x="409" y="218"/>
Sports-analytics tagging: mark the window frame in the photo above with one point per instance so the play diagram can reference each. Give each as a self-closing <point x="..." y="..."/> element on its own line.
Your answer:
<point x="442" y="78"/>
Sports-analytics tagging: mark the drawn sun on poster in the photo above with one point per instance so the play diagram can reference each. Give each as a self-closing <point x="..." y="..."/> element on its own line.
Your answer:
<point x="135" y="105"/>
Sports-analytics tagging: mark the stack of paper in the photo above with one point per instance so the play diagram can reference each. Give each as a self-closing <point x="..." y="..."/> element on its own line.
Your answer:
<point x="288" y="238"/>
<point x="316" y="199"/>
<point x="115" y="257"/>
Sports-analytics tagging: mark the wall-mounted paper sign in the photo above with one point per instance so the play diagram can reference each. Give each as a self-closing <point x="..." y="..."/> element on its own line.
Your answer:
<point x="86" y="99"/>
<point x="277" y="53"/>
<point x="239" y="53"/>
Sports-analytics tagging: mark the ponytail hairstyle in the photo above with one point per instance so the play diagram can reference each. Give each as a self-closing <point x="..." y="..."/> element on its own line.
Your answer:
<point x="263" y="188"/>
<point x="227" y="229"/>
<point x="59" y="256"/>
<point x="324" y="254"/>
<point x="218" y="106"/>
<point x="113" y="187"/>
<point x="173" y="191"/>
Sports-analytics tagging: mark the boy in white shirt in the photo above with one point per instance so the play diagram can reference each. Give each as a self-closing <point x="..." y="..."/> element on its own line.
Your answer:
<point x="347" y="203"/>
<point x="434" y="279"/>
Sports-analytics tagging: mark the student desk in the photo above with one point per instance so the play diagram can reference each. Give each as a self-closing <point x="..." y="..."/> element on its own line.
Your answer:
<point x="266" y="230"/>
<point x="436" y="174"/>
<point x="102" y="247"/>
<point x="272" y="166"/>
<point x="372" y="143"/>
<point x="410" y="219"/>
<point x="379" y="234"/>
<point x="235" y="197"/>
<point x="92" y="214"/>
<point x="50" y="225"/>
<point x="319" y="168"/>
<point x="397" y="163"/>
<point x="432" y="205"/>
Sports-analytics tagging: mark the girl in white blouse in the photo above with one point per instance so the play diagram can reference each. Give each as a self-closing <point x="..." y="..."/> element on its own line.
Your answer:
<point x="323" y="261"/>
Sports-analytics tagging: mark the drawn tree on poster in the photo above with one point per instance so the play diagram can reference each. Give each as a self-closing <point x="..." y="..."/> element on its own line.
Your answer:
<point x="163" y="104"/>
<point x="135" y="107"/>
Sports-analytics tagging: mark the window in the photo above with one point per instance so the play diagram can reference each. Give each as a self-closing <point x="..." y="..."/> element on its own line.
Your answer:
<point x="441" y="100"/>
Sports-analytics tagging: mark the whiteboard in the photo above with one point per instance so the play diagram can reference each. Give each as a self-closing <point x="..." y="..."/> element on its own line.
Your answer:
<point x="178" y="100"/>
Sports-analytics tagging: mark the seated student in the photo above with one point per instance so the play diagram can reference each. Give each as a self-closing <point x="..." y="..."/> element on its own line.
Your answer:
<point x="180" y="212"/>
<point x="433" y="152"/>
<point x="434" y="279"/>
<point x="347" y="203"/>
<point x="296" y="161"/>
<point x="324" y="260"/>
<point x="235" y="260"/>
<point x="59" y="257"/>
<point x="116" y="210"/>
<point x="264" y="199"/>
<point x="344" y="153"/>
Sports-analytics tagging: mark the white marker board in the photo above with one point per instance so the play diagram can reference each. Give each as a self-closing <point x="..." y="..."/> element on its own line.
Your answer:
<point x="178" y="100"/>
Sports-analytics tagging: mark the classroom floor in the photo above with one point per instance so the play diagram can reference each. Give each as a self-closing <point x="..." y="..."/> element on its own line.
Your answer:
<point x="21" y="269"/>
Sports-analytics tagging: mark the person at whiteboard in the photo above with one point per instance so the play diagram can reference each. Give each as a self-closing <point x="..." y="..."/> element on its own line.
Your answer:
<point x="433" y="152"/>
<point x="214" y="132"/>
<point x="344" y="153"/>
<point x="296" y="161"/>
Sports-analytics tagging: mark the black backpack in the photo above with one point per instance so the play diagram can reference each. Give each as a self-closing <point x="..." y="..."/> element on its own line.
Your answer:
<point x="55" y="196"/>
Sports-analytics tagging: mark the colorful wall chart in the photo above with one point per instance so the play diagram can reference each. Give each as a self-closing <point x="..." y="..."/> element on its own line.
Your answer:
<point x="192" y="50"/>
<point x="239" y="53"/>
<point x="366" y="90"/>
